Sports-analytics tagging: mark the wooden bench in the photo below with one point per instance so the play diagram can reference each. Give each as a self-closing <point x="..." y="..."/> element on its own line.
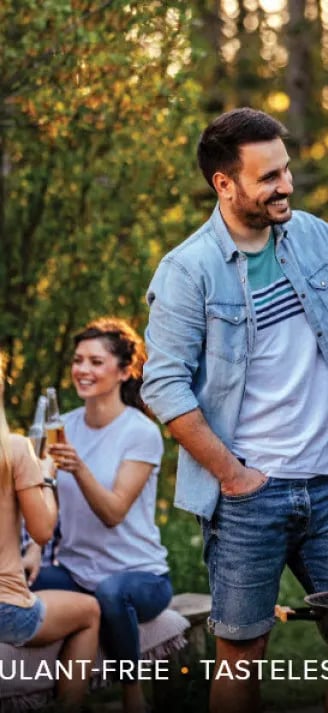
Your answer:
<point x="159" y="639"/>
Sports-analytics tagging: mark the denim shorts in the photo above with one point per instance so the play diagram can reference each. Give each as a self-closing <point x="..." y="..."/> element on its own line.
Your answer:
<point x="250" y="539"/>
<point x="20" y="624"/>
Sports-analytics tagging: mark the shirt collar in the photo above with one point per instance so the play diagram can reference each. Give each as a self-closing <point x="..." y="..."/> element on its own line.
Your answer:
<point x="227" y="245"/>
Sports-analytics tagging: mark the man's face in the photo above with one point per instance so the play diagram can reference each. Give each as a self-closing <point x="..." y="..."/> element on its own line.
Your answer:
<point x="260" y="193"/>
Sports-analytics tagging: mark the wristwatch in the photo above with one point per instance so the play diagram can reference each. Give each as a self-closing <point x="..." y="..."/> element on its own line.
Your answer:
<point x="50" y="483"/>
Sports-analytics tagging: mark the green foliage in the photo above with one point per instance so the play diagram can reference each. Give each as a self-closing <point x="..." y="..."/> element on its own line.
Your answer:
<point x="182" y="536"/>
<point x="96" y="157"/>
<point x="101" y="105"/>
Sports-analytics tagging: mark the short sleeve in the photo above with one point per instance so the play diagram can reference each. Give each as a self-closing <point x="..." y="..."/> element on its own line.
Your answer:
<point x="26" y="467"/>
<point x="144" y="442"/>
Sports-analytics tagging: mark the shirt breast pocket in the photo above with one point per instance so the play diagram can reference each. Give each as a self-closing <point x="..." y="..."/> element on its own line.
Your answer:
<point x="227" y="331"/>
<point x="319" y="283"/>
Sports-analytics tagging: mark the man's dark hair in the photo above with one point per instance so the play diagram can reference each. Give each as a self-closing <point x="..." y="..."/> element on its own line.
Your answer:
<point x="218" y="147"/>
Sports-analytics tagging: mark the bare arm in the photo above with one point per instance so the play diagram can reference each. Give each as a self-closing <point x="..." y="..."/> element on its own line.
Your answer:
<point x="37" y="503"/>
<point x="32" y="562"/>
<point x="111" y="506"/>
<point x="194" y="434"/>
<point x="39" y="508"/>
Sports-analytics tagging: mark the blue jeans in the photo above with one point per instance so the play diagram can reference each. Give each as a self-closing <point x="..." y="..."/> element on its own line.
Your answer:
<point x="125" y="599"/>
<point x="20" y="624"/>
<point x="250" y="539"/>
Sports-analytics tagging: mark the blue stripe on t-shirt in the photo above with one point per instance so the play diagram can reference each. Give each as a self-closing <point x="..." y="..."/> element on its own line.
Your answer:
<point x="281" y="318"/>
<point x="276" y="303"/>
<point x="273" y="286"/>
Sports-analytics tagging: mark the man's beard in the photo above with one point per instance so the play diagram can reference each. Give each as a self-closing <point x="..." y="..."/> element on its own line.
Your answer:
<point x="257" y="219"/>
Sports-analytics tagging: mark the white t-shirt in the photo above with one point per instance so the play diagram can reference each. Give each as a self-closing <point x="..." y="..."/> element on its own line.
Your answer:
<point x="89" y="549"/>
<point x="282" y="427"/>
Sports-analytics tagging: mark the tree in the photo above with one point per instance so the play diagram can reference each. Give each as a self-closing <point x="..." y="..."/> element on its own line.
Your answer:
<point x="95" y="171"/>
<point x="271" y="55"/>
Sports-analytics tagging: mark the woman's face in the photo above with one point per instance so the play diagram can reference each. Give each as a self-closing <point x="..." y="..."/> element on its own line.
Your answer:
<point x="95" y="371"/>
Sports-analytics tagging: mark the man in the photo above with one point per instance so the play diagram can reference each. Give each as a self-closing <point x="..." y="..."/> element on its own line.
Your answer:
<point x="238" y="353"/>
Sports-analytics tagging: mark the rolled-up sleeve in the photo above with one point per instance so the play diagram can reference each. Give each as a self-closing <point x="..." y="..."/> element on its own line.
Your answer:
<point x="174" y="339"/>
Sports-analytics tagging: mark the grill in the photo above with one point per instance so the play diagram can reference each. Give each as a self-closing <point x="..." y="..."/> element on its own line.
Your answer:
<point x="317" y="610"/>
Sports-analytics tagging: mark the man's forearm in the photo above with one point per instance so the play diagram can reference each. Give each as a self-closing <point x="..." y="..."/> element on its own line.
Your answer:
<point x="195" y="435"/>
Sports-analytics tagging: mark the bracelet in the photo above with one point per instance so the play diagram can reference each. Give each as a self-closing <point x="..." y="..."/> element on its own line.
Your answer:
<point x="50" y="483"/>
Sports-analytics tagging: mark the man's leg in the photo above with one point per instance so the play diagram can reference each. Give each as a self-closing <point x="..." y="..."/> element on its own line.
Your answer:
<point x="231" y="695"/>
<point x="245" y="550"/>
<point x="308" y="558"/>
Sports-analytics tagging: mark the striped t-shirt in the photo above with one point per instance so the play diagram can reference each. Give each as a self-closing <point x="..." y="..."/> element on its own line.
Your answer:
<point x="275" y="303"/>
<point x="282" y="428"/>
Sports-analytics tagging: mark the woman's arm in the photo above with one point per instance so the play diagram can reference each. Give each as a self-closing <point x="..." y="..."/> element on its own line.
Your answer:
<point x="37" y="503"/>
<point x="32" y="561"/>
<point x="39" y="509"/>
<point x="111" y="506"/>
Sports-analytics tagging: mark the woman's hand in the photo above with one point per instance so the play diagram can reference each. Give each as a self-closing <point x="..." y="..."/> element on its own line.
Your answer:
<point x="66" y="458"/>
<point x="32" y="562"/>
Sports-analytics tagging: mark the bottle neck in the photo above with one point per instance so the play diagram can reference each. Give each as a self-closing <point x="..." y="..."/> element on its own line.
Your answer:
<point x="40" y="412"/>
<point x="52" y="410"/>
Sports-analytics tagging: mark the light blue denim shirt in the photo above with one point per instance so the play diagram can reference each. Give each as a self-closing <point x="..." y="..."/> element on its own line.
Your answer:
<point x="202" y="331"/>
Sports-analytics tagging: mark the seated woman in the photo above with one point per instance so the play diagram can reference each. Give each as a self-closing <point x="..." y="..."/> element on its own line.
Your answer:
<point x="107" y="483"/>
<point x="49" y="616"/>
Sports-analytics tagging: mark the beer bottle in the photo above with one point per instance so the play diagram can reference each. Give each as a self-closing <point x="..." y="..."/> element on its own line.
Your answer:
<point x="54" y="424"/>
<point x="37" y="429"/>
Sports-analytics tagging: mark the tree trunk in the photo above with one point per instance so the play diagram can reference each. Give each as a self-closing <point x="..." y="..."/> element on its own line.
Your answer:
<point x="298" y="72"/>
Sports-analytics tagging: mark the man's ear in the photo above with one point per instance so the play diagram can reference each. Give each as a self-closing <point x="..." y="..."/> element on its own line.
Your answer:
<point x="223" y="185"/>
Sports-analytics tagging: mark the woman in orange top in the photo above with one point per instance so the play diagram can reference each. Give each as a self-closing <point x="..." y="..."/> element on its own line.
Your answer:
<point x="48" y="615"/>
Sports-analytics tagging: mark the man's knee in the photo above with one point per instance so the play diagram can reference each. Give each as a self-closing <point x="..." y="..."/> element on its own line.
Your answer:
<point x="246" y="650"/>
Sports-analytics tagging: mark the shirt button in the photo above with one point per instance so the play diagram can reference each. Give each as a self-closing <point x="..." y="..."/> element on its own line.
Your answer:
<point x="236" y="319"/>
<point x="303" y="295"/>
<point x="319" y="334"/>
<point x="323" y="283"/>
<point x="283" y="260"/>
